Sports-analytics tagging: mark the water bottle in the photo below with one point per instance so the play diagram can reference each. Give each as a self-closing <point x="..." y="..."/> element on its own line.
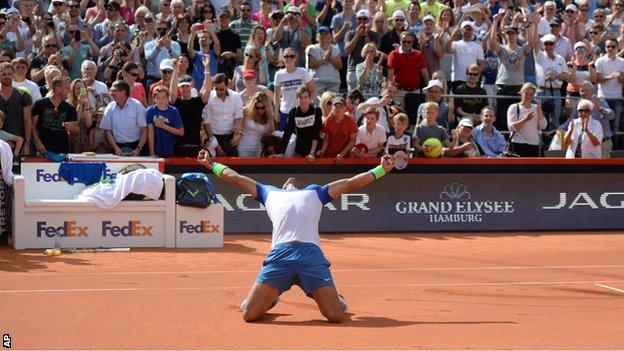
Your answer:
<point x="57" y="243"/>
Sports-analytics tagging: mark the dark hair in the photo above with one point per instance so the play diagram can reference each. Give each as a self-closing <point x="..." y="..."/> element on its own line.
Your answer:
<point x="355" y="95"/>
<point x="201" y="12"/>
<point x="303" y="89"/>
<point x="128" y="66"/>
<point x="271" y="145"/>
<point x="220" y="78"/>
<point x="8" y="53"/>
<point x="122" y="85"/>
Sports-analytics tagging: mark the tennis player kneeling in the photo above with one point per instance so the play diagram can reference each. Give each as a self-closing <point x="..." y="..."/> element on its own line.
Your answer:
<point x="295" y="257"/>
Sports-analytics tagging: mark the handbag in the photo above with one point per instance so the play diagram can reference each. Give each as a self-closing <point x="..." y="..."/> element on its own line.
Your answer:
<point x="195" y="190"/>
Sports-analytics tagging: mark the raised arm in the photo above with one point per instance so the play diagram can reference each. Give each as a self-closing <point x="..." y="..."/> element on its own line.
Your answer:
<point x="227" y="174"/>
<point x="338" y="187"/>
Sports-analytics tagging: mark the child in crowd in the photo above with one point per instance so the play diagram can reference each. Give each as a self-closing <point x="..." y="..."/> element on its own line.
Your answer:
<point x="97" y="136"/>
<point x="15" y="141"/>
<point x="399" y="141"/>
<point x="430" y="129"/>
<point x="163" y="124"/>
<point x="371" y="136"/>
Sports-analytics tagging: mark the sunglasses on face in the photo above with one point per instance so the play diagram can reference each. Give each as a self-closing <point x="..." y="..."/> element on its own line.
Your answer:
<point x="472" y="74"/>
<point x="245" y="10"/>
<point x="406" y="42"/>
<point x="260" y="108"/>
<point x="399" y="20"/>
<point x="207" y="11"/>
<point x="56" y="4"/>
<point x="134" y="74"/>
<point x="549" y="44"/>
<point x="149" y="20"/>
<point x="167" y="71"/>
<point x="289" y="56"/>
<point x="74" y="6"/>
<point x="585" y="110"/>
<point x="50" y="45"/>
<point x="599" y="16"/>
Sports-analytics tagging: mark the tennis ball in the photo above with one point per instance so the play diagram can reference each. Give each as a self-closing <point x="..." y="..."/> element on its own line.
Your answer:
<point x="49" y="252"/>
<point x="437" y="150"/>
<point x="57" y="252"/>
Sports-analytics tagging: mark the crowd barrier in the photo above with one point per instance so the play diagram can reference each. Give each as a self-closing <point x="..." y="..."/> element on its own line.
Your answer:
<point x="470" y="194"/>
<point x="44" y="206"/>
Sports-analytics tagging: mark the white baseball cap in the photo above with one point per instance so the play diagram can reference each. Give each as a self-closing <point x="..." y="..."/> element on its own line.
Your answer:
<point x="470" y="24"/>
<point x="428" y="18"/>
<point x="571" y="7"/>
<point x="166" y="64"/>
<point x="466" y="122"/>
<point x="549" y="38"/>
<point x="362" y="13"/>
<point x="434" y="83"/>
<point x="398" y="14"/>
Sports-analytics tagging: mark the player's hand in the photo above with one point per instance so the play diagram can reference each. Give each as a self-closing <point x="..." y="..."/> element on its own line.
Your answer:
<point x="204" y="159"/>
<point x="387" y="162"/>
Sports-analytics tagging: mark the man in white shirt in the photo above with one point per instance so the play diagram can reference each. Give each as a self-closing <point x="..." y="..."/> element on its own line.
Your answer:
<point x="551" y="70"/>
<point x="465" y="52"/>
<point x="296" y="257"/>
<point x="609" y="69"/>
<point x="584" y="135"/>
<point x="223" y="116"/>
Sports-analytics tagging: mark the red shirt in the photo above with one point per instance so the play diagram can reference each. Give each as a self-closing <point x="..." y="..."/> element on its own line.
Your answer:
<point x="407" y="68"/>
<point x="339" y="134"/>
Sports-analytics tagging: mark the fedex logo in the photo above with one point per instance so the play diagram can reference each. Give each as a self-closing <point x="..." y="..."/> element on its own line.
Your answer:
<point x="134" y="228"/>
<point x="68" y="229"/>
<point x="204" y="227"/>
<point x="42" y="176"/>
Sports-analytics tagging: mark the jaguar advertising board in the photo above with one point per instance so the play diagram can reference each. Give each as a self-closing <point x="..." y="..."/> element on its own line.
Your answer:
<point x="449" y="202"/>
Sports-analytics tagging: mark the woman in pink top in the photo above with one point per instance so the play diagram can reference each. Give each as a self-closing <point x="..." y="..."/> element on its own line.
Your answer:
<point x="130" y="73"/>
<point x="263" y="17"/>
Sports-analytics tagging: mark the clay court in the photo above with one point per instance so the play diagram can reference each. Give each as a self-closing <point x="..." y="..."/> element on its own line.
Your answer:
<point x="429" y="291"/>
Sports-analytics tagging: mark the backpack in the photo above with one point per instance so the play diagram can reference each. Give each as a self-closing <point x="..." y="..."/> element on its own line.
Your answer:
<point x="195" y="190"/>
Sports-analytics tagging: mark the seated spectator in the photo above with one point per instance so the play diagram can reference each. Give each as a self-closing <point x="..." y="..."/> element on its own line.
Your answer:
<point x="324" y="62"/>
<point x="470" y="107"/>
<point x="124" y="122"/>
<point x="354" y="98"/>
<point x="53" y="119"/>
<point x="305" y="120"/>
<point x="430" y="129"/>
<point x="601" y="112"/>
<point x="163" y="124"/>
<point x="525" y="120"/>
<point x="584" y="135"/>
<point x="15" y="141"/>
<point x="78" y="98"/>
<point x="339" y="132"/>
<point x="463" y="144"/>
<point x="258" y="121"/>
<point x="490" y="141"/>
<point x="398" y="140"/>
<point x="371" y="135"/>
<point x="97" y="136"/>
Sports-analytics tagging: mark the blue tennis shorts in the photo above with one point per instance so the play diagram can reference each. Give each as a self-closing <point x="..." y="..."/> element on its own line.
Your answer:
<point x="301" y="264"/>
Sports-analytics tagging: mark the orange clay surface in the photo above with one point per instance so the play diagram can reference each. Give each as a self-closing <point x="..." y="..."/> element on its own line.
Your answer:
<point x="405" y="291"/>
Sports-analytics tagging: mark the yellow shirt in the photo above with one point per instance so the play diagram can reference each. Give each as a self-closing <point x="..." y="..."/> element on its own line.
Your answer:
<point x="393" y="5"/>
<point x="434" y="10"/>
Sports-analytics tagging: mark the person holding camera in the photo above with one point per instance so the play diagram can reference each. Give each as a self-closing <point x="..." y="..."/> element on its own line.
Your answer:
<point x="80" y="49"/>
<point x="49" y="56"/>
<point x="160" y="49"/>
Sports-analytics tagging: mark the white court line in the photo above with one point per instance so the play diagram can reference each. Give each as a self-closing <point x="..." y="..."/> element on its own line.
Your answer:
<point x="359" y="270"/>
<point x="610" y="287"/>
<point x="415" y="285"/>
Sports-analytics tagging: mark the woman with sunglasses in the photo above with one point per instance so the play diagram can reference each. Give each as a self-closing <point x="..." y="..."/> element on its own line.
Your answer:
<point x="258" y="121"/>
<point x="258" y="39"/>
<point x="287" y="81"/>
<point x="182" y="31"/>
<point x="130" y="74"/>
<point x="251" y="62"/>
<point x="579" y="73"/>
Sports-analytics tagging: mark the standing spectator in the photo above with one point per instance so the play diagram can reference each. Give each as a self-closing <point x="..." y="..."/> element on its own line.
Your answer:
<point x="10" y="25"/>
<point x="190" y="109"/>
<point x="20" y="65"/>
<point x="124" y="122"/>
<point x="182" y="32"/>
<point x="383" y="104"/>
<point x="370" y="134"/>
<point x="53" y="119"/>
<point x="431" y="45"/>
<point x="354" y="42"/>
<point x="369" y="73"/>
<point x="465" y="52"/>
<point x="49" y="56"/>
<point x="414" y="20"/>
<point x="563" y="46"/>
<point x="287" y="81"/>
<point x="243" y="25"/>
<point x="406" y="66"/>
<point x="258" y="121"/>
<point x="305" y="120"/>
<point x="295" y="34"/>
<point x="326" y="10"/>
<point x="341" y="24"/>
<point x="166" y="71"/>
<point x="572" y="27"/>
<point x="307" y="12"/>
<point x="224" y="116"/>
<point x="324" y="62"/>
<point x="470" y="107"/>
<point x="252" y="87"/>
<point x="601" y="113"/>
<point x="103" y="32"/>
<point x="431" y="7"/>
<point x="339" y="132"/>
<point x="615" y="19"/>
<point x="446" y="23"/>
<point x="584" y="134"/>
<point x="552" y="70"/>
<point x="163" y="124"/>
<point x="395" y="5"/>
<point x="609" y="70"/>
<point x="209" y="48"/>
<point x="231" y="48"/>
<point x="550" y="10"/>
<point x="269" y="56"/>
<point x="398" y="140"/>
<point x="391" y="39"/>
<point x="263" y="17"/>
<point x="160" y="49"/>
<point x="130" y="73"/>
<point x="510" y="75"/>
<point x="579" y="73"/>
<point x="78" y="98"/>
<point x="81" y="48"/>
<point x="490" y="141"/>
<point x="526" y="120"/>
<point x="252" y="61"/>
<point x="16" y="106"/>
<point x="98" y="91"/>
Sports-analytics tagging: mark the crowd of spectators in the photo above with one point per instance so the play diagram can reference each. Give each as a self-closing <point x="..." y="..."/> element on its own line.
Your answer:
<point x="306" y="78"/>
